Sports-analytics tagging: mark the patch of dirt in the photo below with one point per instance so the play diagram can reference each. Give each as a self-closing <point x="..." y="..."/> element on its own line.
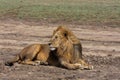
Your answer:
<point x="101" y="47"/>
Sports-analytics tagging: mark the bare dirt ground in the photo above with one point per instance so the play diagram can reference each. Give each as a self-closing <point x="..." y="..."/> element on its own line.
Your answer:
<point x="101" y="47"/>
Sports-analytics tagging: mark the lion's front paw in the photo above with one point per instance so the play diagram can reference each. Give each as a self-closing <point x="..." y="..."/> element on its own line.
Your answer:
<point x="83" y="67"/>
<point x="80" y="66"/>
<point x="90" y="67"/>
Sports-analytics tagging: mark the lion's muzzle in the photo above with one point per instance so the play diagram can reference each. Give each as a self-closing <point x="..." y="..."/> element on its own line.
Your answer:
<point x="51" y="47"/>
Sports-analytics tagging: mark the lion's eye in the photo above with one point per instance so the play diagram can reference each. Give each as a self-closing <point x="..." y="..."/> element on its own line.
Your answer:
<point x="56" y="37"/>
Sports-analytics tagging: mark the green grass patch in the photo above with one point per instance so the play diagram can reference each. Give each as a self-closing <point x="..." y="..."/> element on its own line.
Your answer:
<point x="67" y="10"/>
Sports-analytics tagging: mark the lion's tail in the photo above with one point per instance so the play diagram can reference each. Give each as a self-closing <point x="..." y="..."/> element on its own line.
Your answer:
<point x="11" y="62"/>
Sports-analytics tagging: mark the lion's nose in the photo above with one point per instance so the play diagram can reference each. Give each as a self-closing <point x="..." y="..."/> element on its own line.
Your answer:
<point x="49" y="44"/>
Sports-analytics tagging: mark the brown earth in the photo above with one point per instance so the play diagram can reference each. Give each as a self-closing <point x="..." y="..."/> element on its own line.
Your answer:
<point x="101" y="47"/>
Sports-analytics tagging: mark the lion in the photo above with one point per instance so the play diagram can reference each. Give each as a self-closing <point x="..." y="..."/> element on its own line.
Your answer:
<point x="35" y="54"/>
<point x="69" y="49"/>
<point x="64" y="50"/>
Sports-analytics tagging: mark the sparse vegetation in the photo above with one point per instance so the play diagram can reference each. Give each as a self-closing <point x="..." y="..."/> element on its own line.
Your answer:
<point x="80" y="11"/>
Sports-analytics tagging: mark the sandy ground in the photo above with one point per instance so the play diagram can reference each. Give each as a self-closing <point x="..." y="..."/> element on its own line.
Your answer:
<point x="101" y="47"/>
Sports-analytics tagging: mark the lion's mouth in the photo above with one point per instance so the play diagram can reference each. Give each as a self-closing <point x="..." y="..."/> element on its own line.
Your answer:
<point x="51" y="47"/>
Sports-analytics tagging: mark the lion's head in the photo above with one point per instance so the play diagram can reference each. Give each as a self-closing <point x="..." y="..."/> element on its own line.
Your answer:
<point x="63" y="36"/>
<point x="58" y="38"/>
<point x="70" y="34"/>
<point x="61" y="41"/>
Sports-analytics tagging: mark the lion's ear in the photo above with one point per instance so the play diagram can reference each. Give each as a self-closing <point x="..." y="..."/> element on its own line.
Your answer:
<point x="66" y="34"/>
